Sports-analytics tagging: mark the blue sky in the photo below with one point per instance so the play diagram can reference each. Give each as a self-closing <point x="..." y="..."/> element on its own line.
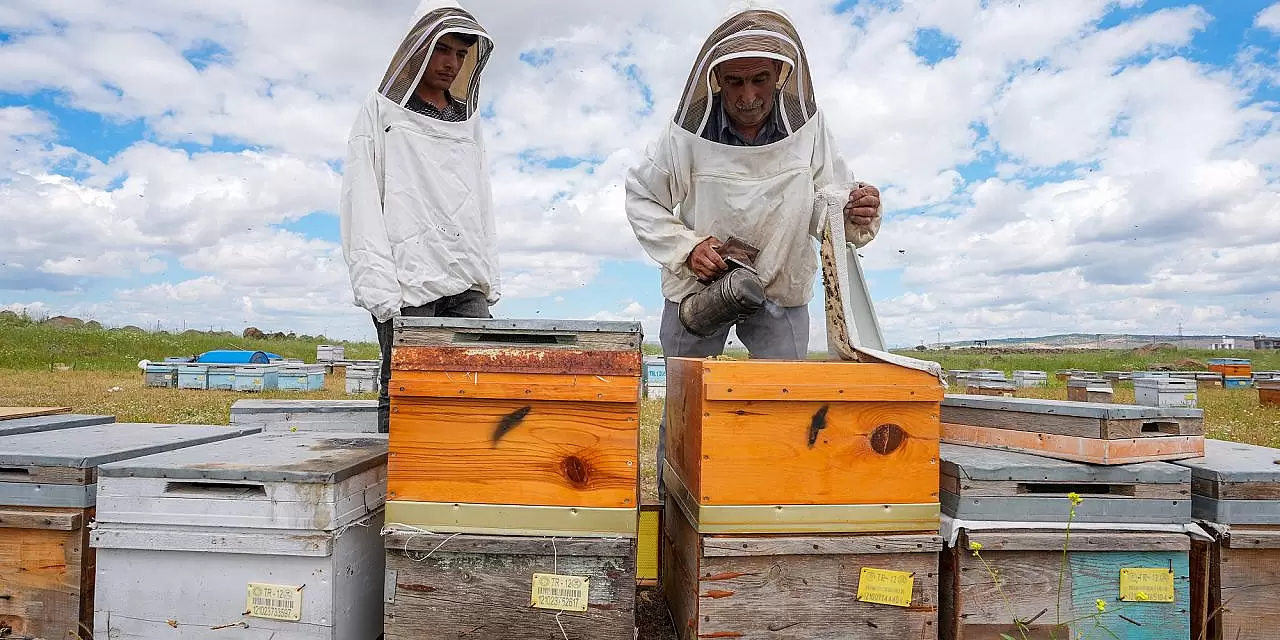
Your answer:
<point x="1047" y="166"/>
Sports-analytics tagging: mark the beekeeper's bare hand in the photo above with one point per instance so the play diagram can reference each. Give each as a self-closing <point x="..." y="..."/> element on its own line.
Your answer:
<point x="705" y="261"/>
<point x="863" y="206"/>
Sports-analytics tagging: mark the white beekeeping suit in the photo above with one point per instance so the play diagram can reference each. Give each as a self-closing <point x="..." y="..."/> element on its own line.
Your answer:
<point x="776" y="197"/>
<point x="416" y="206"/>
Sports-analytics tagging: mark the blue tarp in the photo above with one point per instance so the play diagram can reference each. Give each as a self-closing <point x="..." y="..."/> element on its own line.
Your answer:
<point x="234" y="357"/>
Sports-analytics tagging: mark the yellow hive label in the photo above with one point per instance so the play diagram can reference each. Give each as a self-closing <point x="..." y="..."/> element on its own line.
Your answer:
<point x="562" y="593"/>
<point x="881" y="586"/>
<point x="1146" y="585"/>
<point x="274" y="602"/>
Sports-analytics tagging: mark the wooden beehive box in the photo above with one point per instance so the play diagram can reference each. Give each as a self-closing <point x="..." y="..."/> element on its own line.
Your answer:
<point x="1090" y="390"/>
<point x="1079" y="431"/>
<point x="47" y="497"/>
<point x="826" y="434"/>
<point x="986" y="484"/>
<point x="799" y="586"/>
<point x="991" y="388"/>
<point x="1237" y="489"/>
<point x="504" y="426"/>
<point x="344" y="416"/>
<point x="12" y="413"/>
<point x="276" y="534"/>
<point x="472" y="585"/>
<point x="1268" y="393"/>
<point x="34" y="424"/>
<point x="1028" y="564"/>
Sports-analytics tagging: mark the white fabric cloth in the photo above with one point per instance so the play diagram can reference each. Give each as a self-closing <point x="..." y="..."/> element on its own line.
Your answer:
<point x="416" y="206"/>
<point x="949" y="528"/>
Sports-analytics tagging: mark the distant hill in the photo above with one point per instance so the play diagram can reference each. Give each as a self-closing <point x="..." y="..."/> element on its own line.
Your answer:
<point x="1101" y="341"/>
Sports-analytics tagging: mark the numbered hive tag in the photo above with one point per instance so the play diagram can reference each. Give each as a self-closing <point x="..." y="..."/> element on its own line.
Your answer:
<point x="562" y="593"/>
<point x="1146" y="585"/>
<point x="881" y="586"/>
<point x="274" y="602"/>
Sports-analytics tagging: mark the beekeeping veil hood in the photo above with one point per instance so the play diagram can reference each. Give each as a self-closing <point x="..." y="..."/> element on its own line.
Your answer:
<point x="751" y="33"/>
<point x="433" y="19"/>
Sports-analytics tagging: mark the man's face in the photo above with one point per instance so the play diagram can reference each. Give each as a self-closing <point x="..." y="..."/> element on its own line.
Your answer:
<point x="445" y="62"/>
<point x="746" y="89"/>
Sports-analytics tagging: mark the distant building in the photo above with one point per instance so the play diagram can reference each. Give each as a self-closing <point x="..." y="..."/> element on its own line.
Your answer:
<point x="1265" y="343"/>
<point x="1226" y="344"/>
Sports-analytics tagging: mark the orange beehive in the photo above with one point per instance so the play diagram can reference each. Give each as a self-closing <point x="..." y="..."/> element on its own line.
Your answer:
<point x="801" y="433"/>
<point x="1268" y="392"/>
<point x="538" y="414"/>
<point x="1232" y="367"/>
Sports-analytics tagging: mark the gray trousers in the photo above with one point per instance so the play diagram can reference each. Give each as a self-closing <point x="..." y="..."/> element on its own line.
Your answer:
<point x="772" y="333"/>
<point x="468" y="304"/>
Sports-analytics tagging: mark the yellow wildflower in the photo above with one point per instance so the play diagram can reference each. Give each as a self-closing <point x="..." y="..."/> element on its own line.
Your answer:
<point x="975" y="547"/>
<point x="1102" y="606"/>
<point x="1142" y="595"/>
<point x="1074" y="498"/>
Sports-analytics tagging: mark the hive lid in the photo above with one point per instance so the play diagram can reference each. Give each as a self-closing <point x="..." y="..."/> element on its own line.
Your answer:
<point x="92" y="446"/>
<point x="50" y="423"/>
<point x="974" y="463"/>
<point x="1066" y="408"/>
<point x="304" y="457"/>
<point x="1235" y="462"/>
<point x="248" y="407"/>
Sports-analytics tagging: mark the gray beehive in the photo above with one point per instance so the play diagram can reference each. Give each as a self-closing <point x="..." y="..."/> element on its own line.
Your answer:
<point x="986" y="484"/>
<point x="1236" y="483"/>
<point x="285" y="526"/>
<point x="350" y="416"/>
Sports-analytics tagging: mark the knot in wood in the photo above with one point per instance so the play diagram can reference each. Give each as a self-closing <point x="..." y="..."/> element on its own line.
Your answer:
<point x="887" y="438"/>
<point x="576" y="471"/>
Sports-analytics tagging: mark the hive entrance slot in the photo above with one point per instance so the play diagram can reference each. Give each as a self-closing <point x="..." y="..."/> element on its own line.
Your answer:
<point x="1062" y="489"/>
<point x="14" y="472"/>
<point x="493" y="337"/>
<point x="1169" y="428"/>
<point x="215" y="489"/>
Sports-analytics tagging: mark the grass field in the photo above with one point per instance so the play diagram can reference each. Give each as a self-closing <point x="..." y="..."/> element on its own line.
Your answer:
<point x="104" y="379"/>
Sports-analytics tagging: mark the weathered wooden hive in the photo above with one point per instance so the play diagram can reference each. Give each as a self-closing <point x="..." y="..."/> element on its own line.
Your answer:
<point x="1090" y="389"/>
<point x="743" y="557"/>
<point x="272" y="535"/>
<point x="48" y="482"/>
<point x="1079" y="431"/>
<point x="1006" y="517"/>
<point x="346" y="416"/>
<point x="1236" y="491"/>
<point x="508" y="436"/>
<point x="1268" y="392"/>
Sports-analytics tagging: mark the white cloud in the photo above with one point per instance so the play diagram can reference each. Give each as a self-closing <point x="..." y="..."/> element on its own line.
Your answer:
<point x="1134" y="186"/>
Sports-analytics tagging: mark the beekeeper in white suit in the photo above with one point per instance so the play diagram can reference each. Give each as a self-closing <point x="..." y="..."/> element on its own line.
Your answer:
<point x="745" y="155"/>
<point x="416" y="208"/>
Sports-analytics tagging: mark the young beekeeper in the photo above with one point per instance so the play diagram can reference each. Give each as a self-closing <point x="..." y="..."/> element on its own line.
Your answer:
<point x="416" y="208"/>
<point x="746" y="156"/>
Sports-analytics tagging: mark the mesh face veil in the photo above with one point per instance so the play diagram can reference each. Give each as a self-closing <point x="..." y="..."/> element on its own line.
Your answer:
<point x="755" y="33"/>
<point x="435" y="20"/>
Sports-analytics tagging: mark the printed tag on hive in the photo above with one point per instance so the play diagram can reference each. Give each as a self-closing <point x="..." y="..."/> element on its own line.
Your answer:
<point x="562" y="593"/>
<point x="881" y="586"/>
<point x="1146" y="585"/>
<point x="274" y="602"/>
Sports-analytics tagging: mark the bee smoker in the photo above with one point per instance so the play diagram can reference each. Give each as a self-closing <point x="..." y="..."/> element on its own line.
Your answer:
<point x="735" y="295"/>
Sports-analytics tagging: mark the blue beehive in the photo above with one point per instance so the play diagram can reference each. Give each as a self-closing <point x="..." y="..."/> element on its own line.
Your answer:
<point x="222" y="377"/>
<point x="159" y="374"/>
<point x="234" y="357"/>
<point x="301" y="377"/>
<point x="257" y="377"/>
<point x="193" y="376"/>
<point x="1236" y="382"/>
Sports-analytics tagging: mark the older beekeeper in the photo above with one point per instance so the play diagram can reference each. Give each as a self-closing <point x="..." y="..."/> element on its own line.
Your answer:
<point x="416" y="207"/>
<point x="748" y="155"/>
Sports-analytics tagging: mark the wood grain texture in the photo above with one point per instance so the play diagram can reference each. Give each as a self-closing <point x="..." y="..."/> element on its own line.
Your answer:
<point x="1012" y="489"/>
<point x="535" y="360"/>
<point x="1226" y="490"/>
<point x="1091" y="450"/>
<point x="574" y="454"/>
<point x="684" y="408"/>
<point x="855" y="447"/>
<point x="515" y="386"/>
<point x="48" y="475"/>
<point x="793" y="595"/>
<point x="1267" y="395"/>
<point x="7" y="413"/>
<point x="1249" y="588"/>
<point x="503" y="337"/>
<point x="41" y="518"/>
<point x="1052" y="541"/>
<point x="1206" y="621"/>
<point x="1029" y="590"/>
<point x="47" y="578"/>
<point x="470" y="588"/>
<point x="781" y="545"/>
<point x="1077" y="426"/>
